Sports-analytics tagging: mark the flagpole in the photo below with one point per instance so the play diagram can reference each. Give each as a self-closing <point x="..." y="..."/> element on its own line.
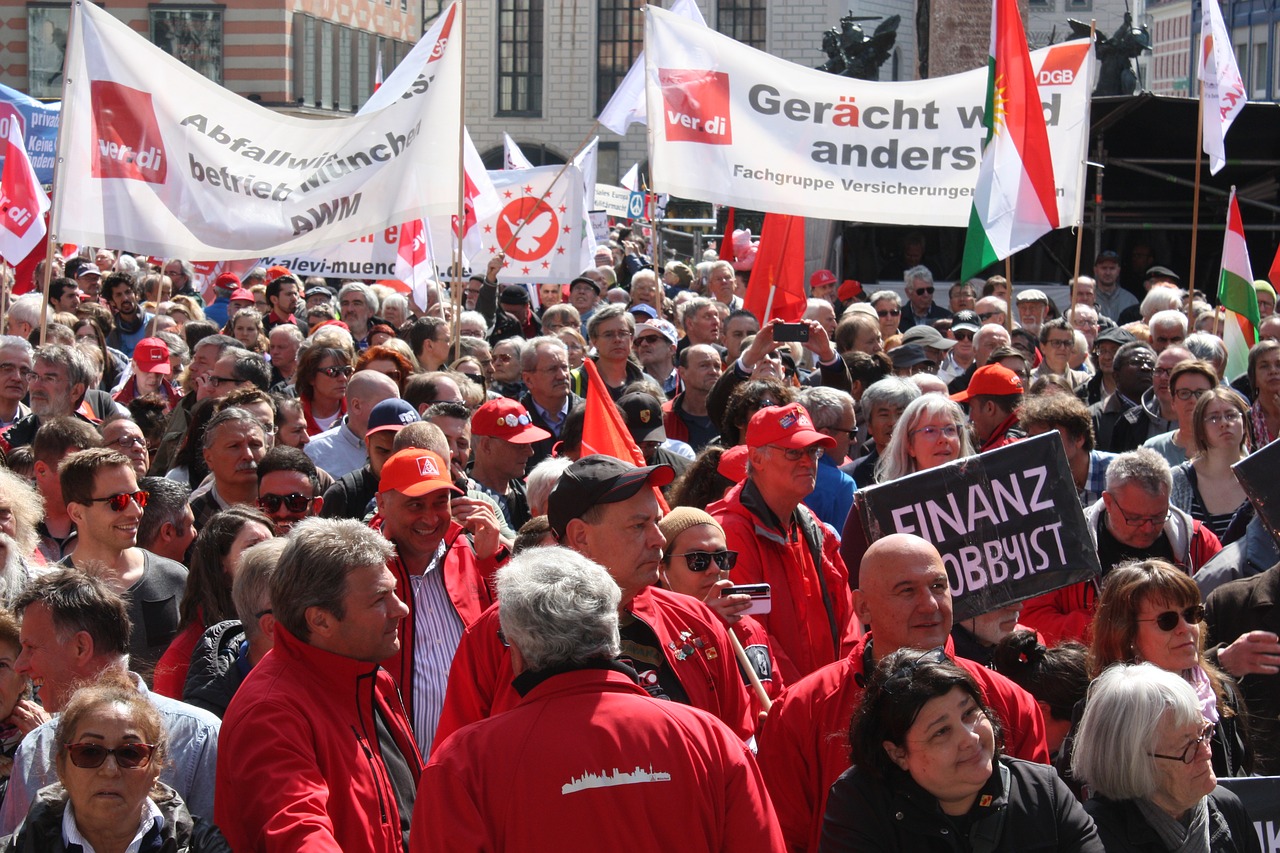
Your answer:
<point x="585" y="141"/>
<point x="1195" y="211"/>
<point x="52" y="236"/>
<point x="1084" y="170"/>
<point x="462" y="184"/>
<point x="1012" y="303"/>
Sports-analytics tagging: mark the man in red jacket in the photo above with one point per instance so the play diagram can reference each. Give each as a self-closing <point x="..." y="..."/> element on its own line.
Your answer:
<point x="905" y="597"/>
<point x="608" y="511"/>
<point x="598" y="764"/>
<point x="315" y="751"/>
<point x="447" y="549"/>
<point x="781" y="542"/>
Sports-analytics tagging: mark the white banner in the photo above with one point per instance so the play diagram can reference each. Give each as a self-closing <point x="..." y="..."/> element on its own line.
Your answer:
<point x="736" y="126"/>
<point x="158" y="159"/>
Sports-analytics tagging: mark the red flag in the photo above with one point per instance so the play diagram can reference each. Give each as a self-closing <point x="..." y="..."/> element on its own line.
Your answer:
<point x="603" y="430"/>
<point x="727" y="252"/>
<point x="779" y="265"/>
<point x="1273" y="274"/>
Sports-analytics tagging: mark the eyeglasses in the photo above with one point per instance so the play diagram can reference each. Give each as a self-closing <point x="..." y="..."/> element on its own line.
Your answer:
<point x="795" y="454"/>
<point x="294" y="502"/>
<point x="1161" y="371"/>
<point x="1185" y="394"/>
<point x="921" y="291"/>
<point x="1168" y="620"/>
<point x="988" y="315"/>
<point x="1189" y="751"/>
<point x="700" y="561"/>
<point x="617" y="335"/>
<point x="344" y="370"/>
<point x="553" y="369"/>
<point x="126" y="442"/>
<point x="891" y="312"/>
<point x="1229" y="418"/>
<point x="216" y="381"/>
<point x="900" y="679"/>
<point x="1060" y="343"/>
<point x="1138" y="520"/>
<point x="933" y="433"/>
<point x="648" y="339"/>
<point x="22" y="371"/>
<point x="120" y="501"/>
<point x="129" y="756"/>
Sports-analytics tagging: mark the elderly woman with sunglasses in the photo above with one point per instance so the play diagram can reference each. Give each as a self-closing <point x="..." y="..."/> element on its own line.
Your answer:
<point x="1149" y="611"/>
<point x="111" y="747"/>
<point x="321" y="381"/>
<point x="929" y="774"/>
<point x="696" y="562"/>
<point x="1143" y="749"/>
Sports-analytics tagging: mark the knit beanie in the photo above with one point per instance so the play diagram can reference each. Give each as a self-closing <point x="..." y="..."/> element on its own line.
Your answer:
<point x="681" y="519"/>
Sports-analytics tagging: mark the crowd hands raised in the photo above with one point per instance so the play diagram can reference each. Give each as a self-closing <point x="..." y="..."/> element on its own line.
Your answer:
<point x="287" y="565"/>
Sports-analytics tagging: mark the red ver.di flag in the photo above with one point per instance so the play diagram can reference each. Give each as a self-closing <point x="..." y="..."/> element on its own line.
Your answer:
<point x="22" y="200"/>
<point x="539" y="231"/>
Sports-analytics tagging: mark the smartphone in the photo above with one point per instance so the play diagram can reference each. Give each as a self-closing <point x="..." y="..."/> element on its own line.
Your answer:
<point x="761" y="596"/>
<point x="785" y="332"/>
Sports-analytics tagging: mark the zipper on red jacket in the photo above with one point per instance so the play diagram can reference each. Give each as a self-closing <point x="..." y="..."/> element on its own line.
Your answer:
<point x="373" y="768"/>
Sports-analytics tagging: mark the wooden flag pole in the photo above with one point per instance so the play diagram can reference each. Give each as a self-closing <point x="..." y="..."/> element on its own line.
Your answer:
<point x="1195" y="213"/>
<point x="1011" y="302"/>
<point x="740" y="653"/>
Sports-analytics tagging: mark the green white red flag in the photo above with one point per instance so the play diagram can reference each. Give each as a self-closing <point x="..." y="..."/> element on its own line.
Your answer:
<point x="1014" y="202"/>
<point x="1236" y="294"/>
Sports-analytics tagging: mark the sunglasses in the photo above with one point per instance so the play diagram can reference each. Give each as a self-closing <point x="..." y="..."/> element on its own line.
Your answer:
<point x="899" y="681"/>
<point x="921" y="291"/>
<point x="120" y="501"/>
<point x="963" y="336"/>
<point x="340" y="370"/>
<point x="892" y="312"/>
<point x="293" y="502"/>
<point x="1168" y="620"/>
<point x="700" y="561"/>
<point x="129" y="756"/>
<point x="988" y="315"/>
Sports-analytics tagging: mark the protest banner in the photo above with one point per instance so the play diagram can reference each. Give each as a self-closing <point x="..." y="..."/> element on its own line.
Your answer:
<point x="166" y="162"/>
<point x="1007" y="522"/>
<point x="736" y="126"/>
<point x="1261" y="798"/>
<point x="22" y="200"/>
<point x="1257" y="476"/>
<point x="39" y="123"/>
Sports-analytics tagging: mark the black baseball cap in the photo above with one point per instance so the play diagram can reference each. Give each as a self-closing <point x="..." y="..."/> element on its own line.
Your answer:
<point x="1114" y="335"/>
<point x="908" y="355"/>
<point x="594" y="480"/>
<point x="595" y="285"/>
<point x="643" y="414"/>
<point x="514" y="294"/>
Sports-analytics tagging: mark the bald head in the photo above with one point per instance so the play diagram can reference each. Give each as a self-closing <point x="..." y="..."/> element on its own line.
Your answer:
<point x="988" y="339"/>
<point x="903" y="594"/>
<point x="367" y="389"/>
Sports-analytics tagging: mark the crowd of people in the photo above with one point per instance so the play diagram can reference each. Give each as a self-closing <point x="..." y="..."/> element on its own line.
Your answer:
<point x="302" y="565"/>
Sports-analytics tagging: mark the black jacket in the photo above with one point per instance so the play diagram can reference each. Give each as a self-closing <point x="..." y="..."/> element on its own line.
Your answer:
<point x="215" y="673"/>
<point x="1123" y="829"/>
<point x="350" y="494"/>
<point x="1024" y="807"/>
<point x="41" y="832"/>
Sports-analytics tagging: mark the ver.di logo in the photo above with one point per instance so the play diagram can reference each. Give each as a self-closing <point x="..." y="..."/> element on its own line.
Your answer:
<point x="126" y="136"/>
<point x="696" y="106"/>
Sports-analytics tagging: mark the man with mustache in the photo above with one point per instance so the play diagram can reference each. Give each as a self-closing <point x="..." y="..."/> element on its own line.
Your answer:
<point x="234" y="443"/>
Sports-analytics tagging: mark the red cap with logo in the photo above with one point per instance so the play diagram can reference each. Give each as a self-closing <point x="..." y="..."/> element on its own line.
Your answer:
<point x="151" y="355"/>
<point x="785" y="426"/>
<point x="821" y="278"/>
<point x="993" y="380"/>
<point x="506" y="419"/>
<point x="241" y="295"/>
<point x="227" y="281"/>
<point x="414" y="472"/>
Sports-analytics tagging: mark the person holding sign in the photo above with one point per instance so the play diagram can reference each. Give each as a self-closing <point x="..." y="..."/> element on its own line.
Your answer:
<point x="1143" y="750"/>
<point x="928" y="762"/>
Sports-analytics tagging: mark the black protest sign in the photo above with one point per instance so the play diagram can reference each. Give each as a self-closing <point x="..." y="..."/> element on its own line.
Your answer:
<point x="1007" y="522"/>
<point x="1261" y="798"/>
<point x="1257" y="475"/>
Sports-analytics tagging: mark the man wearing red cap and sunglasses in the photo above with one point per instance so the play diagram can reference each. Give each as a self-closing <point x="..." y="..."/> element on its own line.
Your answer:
<point x="781" y="542"/>
<point x="103" y="499"/>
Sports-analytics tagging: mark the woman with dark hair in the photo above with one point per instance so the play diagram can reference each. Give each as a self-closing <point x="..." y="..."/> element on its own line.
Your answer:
<point x="114" y="362"/>
<point x="928" y="773"/>
<point x="1057" y="678"/>
<point x="747" y="399"/>
<point x="215" y="558"/>
<point x="1149" y="611"/>
<point x="702" y="483"/>
<point x="1205" y="486"/>
<point x="1264" y="376"/>
<point x="19" y="713"/>
<point x="321" y="381"/>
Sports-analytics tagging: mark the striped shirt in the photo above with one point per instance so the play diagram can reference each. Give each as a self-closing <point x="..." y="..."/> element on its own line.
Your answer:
<point x="437" y="630"/>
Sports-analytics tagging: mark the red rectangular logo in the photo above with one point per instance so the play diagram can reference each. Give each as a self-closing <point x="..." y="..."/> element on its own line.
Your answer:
<point x="1063" y="64"/>
<point x="696" y="106"/>
<point x="126" y="135"/>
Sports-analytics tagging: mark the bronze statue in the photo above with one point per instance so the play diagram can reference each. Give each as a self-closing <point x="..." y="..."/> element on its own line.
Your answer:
<point x="1117" y="75"/>
<point x="852" y="53"/>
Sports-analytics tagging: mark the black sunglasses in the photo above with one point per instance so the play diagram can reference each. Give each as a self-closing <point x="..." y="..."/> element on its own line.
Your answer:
<point x="129" y="756"/>
<point x="338" y="370"/>
<point x="293" y="502"/>
<point x="921" y="291"/>
<point x="892" y="312"/>
<point x="1168" y="620"/>
<point x="700" y="561"/>
<point x="900" y="679"/>
<point x="120" y="501"/>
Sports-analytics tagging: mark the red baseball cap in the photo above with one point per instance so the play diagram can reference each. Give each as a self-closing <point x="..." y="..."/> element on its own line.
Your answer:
<point x="275" y="272"/>
<point x="151" y="355"/>
<point x="994" y="380"/>
<point x="414" y="472"/>
<point x="506" y="419"/>
<point x="821" y="278"/>
<point x="785" y="426"/>
<point x="849" y="289"/>
<point x="227" y="281"/>
<point x="733" y="463"/>
<point x="241" y="295"/>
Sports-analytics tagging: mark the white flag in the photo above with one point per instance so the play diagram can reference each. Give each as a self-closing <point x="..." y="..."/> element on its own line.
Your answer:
<point x="631" y="180"/>
<point x="628" y="102"/>
<point x="168" y="163"/>
<point x="540" y="236"/>
<point x="585" y="163"/>
<point x="512" y="156"/>
<point x="1224" y="93"/>
<point x="22" y="199"/>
